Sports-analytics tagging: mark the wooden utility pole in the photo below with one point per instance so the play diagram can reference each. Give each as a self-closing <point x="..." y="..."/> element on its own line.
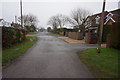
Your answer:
<point x="21" y="13"/>
<point x="101" y="28"/>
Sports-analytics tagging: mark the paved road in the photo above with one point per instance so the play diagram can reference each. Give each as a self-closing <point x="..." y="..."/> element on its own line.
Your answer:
<point x="50" y="57"/>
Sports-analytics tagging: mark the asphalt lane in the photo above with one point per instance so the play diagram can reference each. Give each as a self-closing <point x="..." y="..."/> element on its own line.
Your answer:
<point x="49" y="57"/>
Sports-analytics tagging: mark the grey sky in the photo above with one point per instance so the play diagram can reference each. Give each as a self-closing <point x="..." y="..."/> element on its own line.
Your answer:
<point x="44" y="10"/>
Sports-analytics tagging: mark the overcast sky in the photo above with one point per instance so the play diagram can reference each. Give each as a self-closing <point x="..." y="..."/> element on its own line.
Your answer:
<point x="44" y="9"/>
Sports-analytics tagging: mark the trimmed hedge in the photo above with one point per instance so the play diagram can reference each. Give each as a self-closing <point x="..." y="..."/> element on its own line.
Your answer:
<point x="115" y="36"/>
<point x="106" y="31"/>
<point x="11" y="36"/>
<point x="66" y="30"/>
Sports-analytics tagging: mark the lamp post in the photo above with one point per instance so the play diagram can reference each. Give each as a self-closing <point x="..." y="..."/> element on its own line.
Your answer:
<point x="21" y="13"/>
<point x="101" y="28"/>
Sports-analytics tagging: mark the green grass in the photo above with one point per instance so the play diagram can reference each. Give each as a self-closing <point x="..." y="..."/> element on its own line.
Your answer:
<point x="102" y="65"/>
<point x="17" y="49"/>
<point x="33" y="32"/>
<point x="53" y="34"/>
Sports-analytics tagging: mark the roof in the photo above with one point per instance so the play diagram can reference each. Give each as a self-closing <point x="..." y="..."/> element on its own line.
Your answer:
<point x="116" y="15"/>
<point x="93" y="18"/>
<point x="1" y="20"/>
<point x="98" y="14"/>
<point x="114" y="18"/>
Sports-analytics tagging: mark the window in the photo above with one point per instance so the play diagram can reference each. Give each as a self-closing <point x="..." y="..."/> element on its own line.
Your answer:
<point x="97" y="19"/>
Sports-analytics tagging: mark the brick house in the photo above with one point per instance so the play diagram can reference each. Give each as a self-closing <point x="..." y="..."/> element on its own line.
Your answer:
<point x="113" y="16"/>
<point x="4" y="23"/>
<point x="109" y="18"/>
<point x="94" y="20"/>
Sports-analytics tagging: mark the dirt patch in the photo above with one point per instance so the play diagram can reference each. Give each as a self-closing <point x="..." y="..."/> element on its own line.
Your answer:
<point x="73" y="41"/>
<point x="69" y="40"/>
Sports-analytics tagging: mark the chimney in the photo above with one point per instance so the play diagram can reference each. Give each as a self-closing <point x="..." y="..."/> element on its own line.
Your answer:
<point x="15" y="19"/>
<point x="119" y="5"/>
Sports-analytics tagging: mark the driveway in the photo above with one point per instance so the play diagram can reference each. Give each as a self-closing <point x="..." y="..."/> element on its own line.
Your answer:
<point x="49" y="57"/>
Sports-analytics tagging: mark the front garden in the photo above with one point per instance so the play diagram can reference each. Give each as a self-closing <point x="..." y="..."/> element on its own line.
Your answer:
<point x="15" y="43"/>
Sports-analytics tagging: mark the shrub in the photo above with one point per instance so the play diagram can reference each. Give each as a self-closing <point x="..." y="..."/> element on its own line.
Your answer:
<point x="106" y="31"/>
<point x="11" y="36"/>
<point x="115" y="36"/>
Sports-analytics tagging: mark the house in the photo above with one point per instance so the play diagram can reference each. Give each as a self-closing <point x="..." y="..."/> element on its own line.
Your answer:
<point x="94" y="20"/>
<point x="4" y="23"/>
<point x="16" y="25"/>
<point x="76" y="27"/>
<point x="109" y="18"/>
<point x="113" y="16"/>
<point x="1" y="22"/>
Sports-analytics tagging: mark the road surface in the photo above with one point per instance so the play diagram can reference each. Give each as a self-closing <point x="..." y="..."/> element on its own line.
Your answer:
<point x="49" y="57"/>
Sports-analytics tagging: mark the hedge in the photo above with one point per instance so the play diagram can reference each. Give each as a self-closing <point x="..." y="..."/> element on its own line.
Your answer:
<point x="115" y="36"/>
<point x="66" y="30"/>
<point x="106" y="31"/>
<point x="11" y="36"/>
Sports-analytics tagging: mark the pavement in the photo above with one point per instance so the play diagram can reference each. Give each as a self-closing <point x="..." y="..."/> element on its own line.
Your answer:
<point x="49" y="57"/>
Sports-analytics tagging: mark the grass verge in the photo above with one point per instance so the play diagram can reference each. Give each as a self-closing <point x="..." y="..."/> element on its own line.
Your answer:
<point x="17" y="49"/>
<point x="52" y="34"/>
<point x="103" y="65"/>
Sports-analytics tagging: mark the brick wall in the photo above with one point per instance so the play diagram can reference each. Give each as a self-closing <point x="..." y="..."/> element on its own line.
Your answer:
<point x="91" y="37"/>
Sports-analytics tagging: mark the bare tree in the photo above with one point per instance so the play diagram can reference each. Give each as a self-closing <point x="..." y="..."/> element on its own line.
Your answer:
<point x="63" y="19"/>
<point x="53" y="22"/>
<point x="29" y="20"/>
<point x="80" y="16"/>
<point x="60" y="20"/>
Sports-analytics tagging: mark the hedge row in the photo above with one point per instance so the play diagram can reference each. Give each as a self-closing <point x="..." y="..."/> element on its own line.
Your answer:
<point x="11" y="36"/>
<point x="115" y="36"/>
<point x="63" y="30"/>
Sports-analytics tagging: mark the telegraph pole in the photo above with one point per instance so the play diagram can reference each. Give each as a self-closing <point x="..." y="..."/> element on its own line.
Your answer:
<point x="21" y="13"/>
<point x="101" y="28"/>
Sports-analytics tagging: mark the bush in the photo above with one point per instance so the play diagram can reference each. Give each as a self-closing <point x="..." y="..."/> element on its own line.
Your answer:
<point x="115" y="36"/>
<point x="31" y="28"/>
<point x="106" y="31"/>
<point x="11" y="36"/>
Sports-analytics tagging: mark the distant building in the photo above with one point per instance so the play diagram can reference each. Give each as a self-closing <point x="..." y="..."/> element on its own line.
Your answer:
<point x="4" y="23"/>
